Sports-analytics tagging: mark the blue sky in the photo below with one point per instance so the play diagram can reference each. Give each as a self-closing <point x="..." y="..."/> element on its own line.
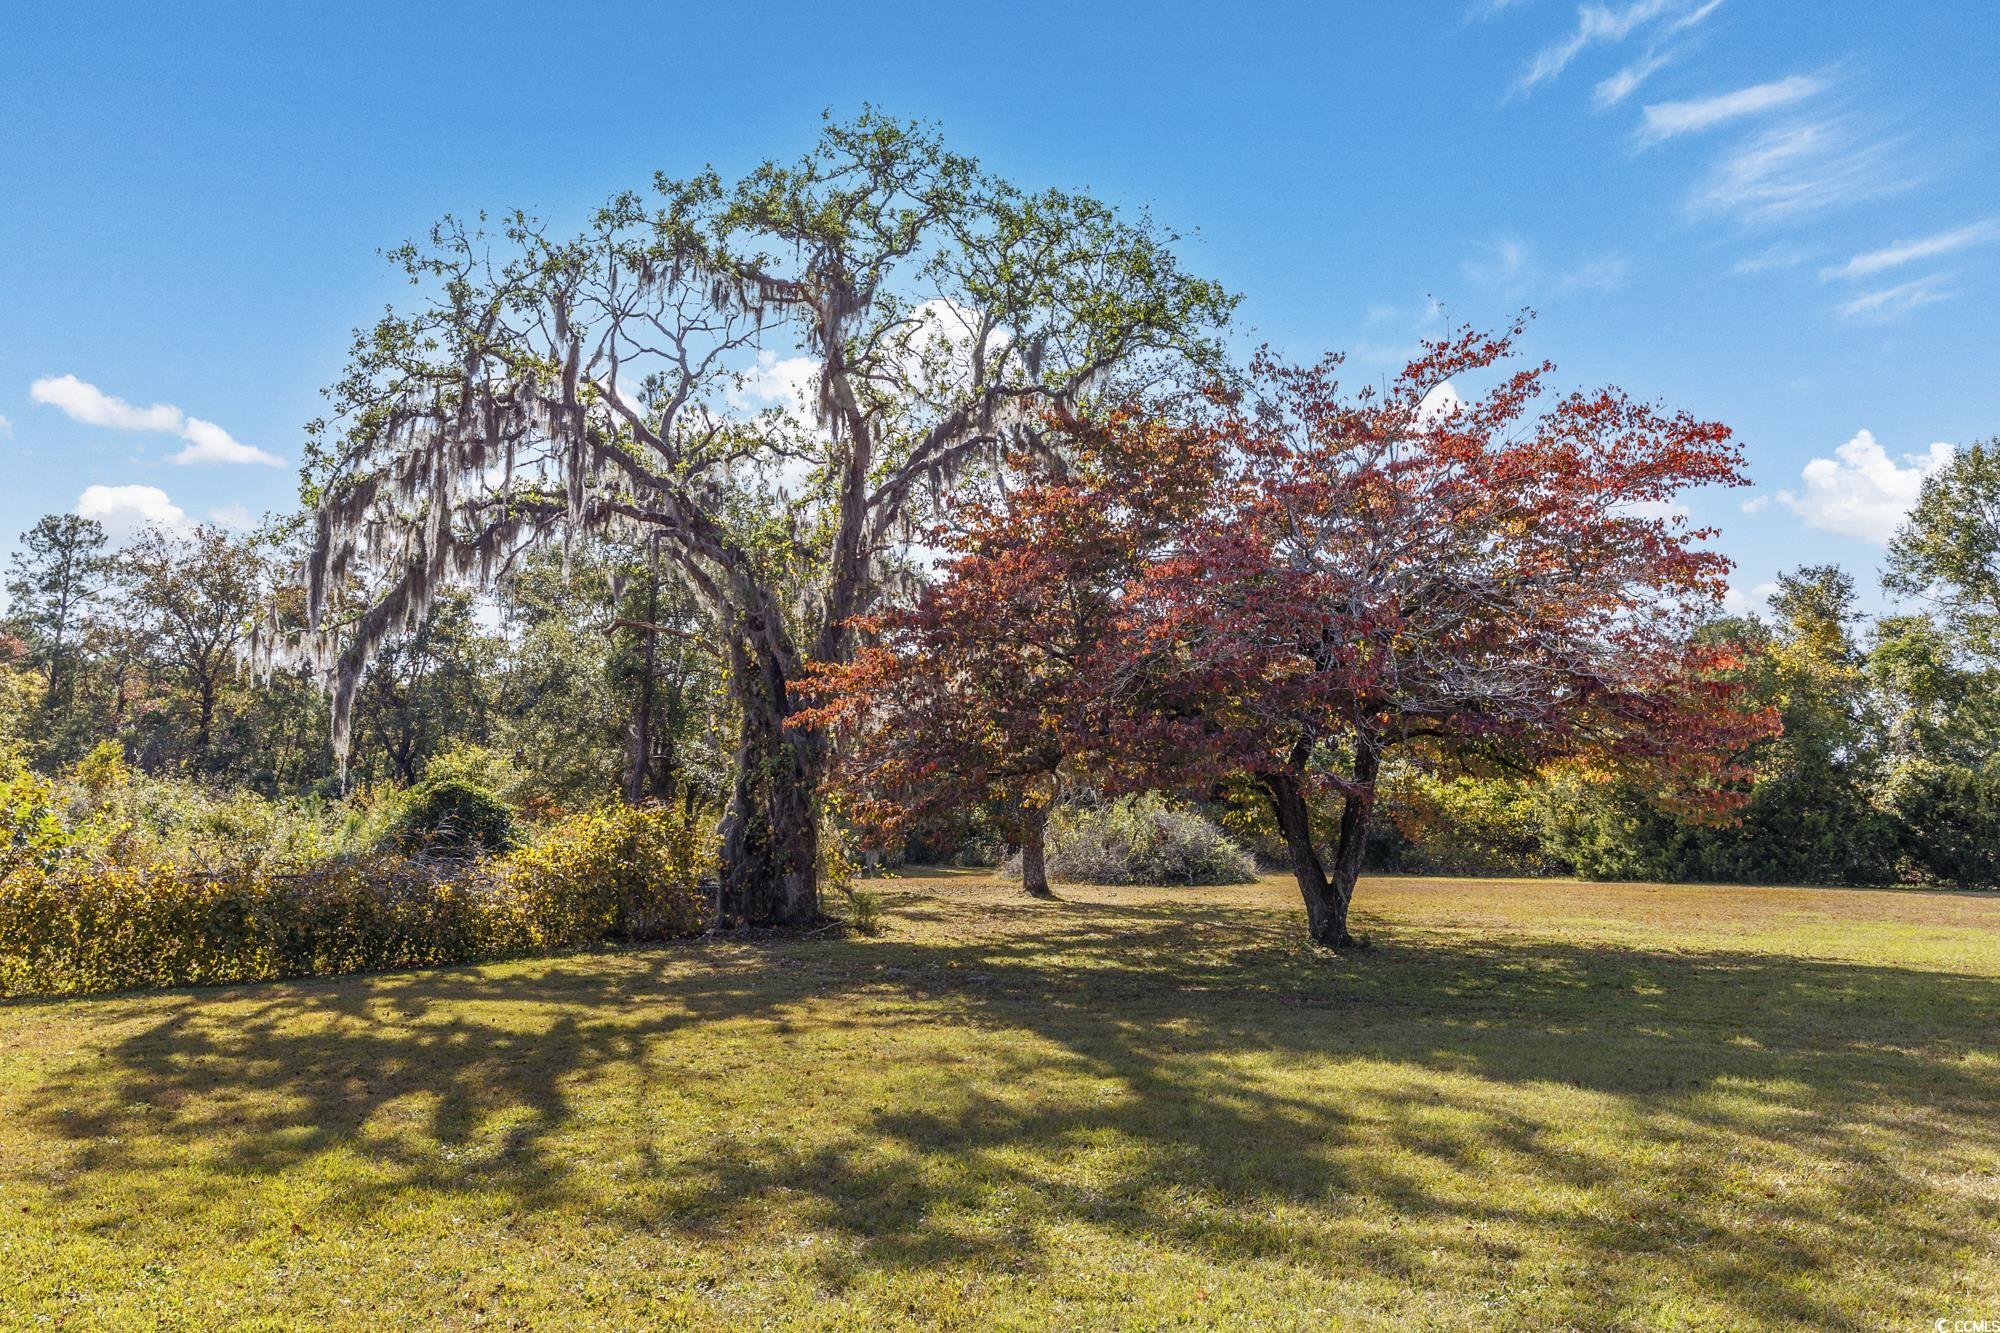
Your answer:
<point x="1786" y="217"/>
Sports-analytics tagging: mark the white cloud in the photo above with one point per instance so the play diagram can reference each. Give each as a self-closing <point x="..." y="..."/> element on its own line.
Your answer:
<point x="1795" y="170"/>
<point x="1664" y="120"/>
<point x="210" y="443"/>
<point x="1617" y="87"/>
<point x="123" y="510"/>
<point x="6" y="426"/>
<point x="1904" y="252"/>
<point x="775" y="381"/>
<point x="1672" y="510"/>
<point x="1861" y="491"/>
<point x="89" y="404"/>
<point x="1756" y="504"/>
<point x="1736" y="601"/>
<point x="1440" y="404"/>
<point x="1893" y="302"/>
<point x="1602" y="24"/>
<point x="233" y="516"/>
<point x="85" y="402"/>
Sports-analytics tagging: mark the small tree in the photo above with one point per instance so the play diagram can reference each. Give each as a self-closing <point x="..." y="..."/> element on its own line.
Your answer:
<point x="1474" y="582"/>
<point x="427" y="689"/>
<point x="193" y="595"/>
<point x="998" y="679"/>
<point x="53" y="583"/>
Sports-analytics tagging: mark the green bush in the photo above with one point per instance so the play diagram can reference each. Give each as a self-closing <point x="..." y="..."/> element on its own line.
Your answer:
<point x="1140" y="840"/>
<point x="1950" y="818"/>
<point x="1460" y="825"/>
<point x="450" y="815"/>
<point x="74" y="922"/>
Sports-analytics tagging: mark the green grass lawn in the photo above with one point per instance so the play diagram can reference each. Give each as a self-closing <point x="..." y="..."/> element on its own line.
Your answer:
<point x="1531" y="1105"/>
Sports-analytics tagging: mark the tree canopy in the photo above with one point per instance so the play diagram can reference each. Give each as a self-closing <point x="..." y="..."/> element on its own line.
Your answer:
<point x="543" y="386"/>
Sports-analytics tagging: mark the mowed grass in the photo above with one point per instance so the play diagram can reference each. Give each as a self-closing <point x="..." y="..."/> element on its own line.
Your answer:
<point x="1530" y="1105"/>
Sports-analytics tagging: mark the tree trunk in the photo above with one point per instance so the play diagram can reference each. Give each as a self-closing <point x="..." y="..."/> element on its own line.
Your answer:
<point x="206" y="725"/>
<point x="1034" y="849"/>
<point x="1354" y="818"/>
<point x="642" y="724"/>
<point x="1326" y="909"/>
<point x="770" y="833"/>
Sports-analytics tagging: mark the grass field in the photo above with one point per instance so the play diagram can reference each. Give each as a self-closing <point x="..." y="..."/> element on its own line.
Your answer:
<point x="1530" y="1105"/>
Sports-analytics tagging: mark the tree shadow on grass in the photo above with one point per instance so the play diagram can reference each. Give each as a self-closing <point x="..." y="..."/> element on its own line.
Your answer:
<point x="1410" y="1116"/>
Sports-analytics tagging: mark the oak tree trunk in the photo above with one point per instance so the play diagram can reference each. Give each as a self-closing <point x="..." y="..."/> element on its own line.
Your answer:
<point x="770" y="832"/>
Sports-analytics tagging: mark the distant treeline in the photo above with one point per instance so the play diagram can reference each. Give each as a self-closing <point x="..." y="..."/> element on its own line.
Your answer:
<point x="1883" y="772"/>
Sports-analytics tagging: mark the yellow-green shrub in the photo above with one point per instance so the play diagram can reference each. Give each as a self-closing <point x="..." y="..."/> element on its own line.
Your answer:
<point x="72" y="923"/>
<point x="614" y="873"/>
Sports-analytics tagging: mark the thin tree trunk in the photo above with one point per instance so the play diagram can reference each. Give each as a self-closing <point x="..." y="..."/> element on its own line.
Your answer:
<point x="770" y="833"/>
<point x="642" y="727"/>
<point x="1354" y="819"/>
<point x="206" y="725"/>
<point x="1034" y="850"/>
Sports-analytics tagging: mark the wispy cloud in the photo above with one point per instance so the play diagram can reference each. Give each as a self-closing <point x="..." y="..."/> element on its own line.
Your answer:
<point x="1893" y="302"/>
<point x="1664" y="120"/>
<point x="1775" y="257"/>
<point x="1621" y="85"/>
<point x="1905" y="252"/>
<point x="6" y="427"/>
<point x="1499" y="263"/>
<point x="1738" y="602"/>
<point x="1600" y="273"/>
<point x="1796" y="170"/>
<point x="1603" y="25"/>
<point x="206" y="442"/>
<point x="235" y="517"/>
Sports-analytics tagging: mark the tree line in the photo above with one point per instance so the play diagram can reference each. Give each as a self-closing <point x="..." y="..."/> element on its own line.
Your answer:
<point x="871" y="494"/>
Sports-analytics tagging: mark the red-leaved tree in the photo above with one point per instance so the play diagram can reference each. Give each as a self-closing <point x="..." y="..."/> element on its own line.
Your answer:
<point x="1009" y="673"/>
<point x="1503" y="580"/>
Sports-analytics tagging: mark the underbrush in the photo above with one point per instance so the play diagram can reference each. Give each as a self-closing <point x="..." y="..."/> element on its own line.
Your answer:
<point x="1140" y="840"/>
<point x="109" y="882"/>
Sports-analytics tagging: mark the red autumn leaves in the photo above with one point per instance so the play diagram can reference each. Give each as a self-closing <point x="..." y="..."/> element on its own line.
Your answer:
<point x="1298" y="580"/>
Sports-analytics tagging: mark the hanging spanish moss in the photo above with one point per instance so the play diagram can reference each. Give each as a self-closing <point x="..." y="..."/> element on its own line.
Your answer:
<point x="548" y="391"/>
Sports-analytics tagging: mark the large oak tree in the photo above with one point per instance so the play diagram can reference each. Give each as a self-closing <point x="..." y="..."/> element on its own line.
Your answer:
<point x="539" y="386"/>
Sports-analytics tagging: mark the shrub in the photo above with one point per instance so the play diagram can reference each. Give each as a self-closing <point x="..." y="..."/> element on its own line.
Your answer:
<point x="864" y="910"/>
<point x="615" y="873"/>
<point x="73" y="922"/>
<point x="450" y="815"/>
<point x="1140" y="840"/>
<point x="32" y="829"/>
